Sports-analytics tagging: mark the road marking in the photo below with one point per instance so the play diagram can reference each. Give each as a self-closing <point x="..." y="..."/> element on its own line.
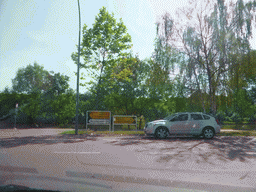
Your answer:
<point x="251" y="153"/>
<point x="80" y="152"/>
<point x="169" y="153"/>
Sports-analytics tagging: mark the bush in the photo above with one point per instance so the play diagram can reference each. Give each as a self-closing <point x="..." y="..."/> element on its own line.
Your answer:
<point x="228" y="113"/>
<point x="236" y="118"/>
<point x="221" y="116"/>
<point x="252" y="118"/>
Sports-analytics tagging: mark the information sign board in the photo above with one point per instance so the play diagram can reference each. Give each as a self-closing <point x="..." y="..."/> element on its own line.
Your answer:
<point x="98" y="118"/>
<point x="130" y="120"/>
<point x="124" y="120"/>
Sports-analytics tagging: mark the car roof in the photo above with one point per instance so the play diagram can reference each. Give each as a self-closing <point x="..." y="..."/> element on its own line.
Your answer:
<point x="190" y="113"/>
<point x="187" y="113"/>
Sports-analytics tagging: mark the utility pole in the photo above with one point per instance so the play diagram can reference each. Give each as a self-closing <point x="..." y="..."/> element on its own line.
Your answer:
<point x="78" y="63"/>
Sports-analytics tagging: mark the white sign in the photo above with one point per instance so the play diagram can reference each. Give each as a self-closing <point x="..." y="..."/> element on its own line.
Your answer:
<point x="99" y="121"/>
<point x="98" y="118"/>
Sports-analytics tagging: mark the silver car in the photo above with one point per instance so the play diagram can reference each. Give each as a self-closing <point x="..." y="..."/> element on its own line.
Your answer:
<point x="186" y="123"/>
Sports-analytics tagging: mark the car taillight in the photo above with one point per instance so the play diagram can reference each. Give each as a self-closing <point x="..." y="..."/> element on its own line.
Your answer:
<point x="217" y="121"/>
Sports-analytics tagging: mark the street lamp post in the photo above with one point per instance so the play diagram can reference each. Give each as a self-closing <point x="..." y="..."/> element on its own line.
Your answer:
<point x="78" y="63"/>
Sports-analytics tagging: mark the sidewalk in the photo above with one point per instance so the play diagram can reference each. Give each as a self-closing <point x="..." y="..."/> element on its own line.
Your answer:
<point x="5" y="133"/>
<point x="233" y="130"/>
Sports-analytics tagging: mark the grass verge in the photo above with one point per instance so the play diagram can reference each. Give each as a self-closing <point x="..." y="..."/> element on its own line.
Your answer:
<point x="239" y="127"/>
<point x="237" y="133"/>
<point x="105" y="133"/>
<point x="127" y="133"/>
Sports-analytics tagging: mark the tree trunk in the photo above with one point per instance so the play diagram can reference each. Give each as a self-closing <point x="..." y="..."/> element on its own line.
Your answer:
<point x="198" y="86"/>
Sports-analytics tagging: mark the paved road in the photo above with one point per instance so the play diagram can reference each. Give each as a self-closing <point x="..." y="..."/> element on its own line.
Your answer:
<point x="42" y="158"/>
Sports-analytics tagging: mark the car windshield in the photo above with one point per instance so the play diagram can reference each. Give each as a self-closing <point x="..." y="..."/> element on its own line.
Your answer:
<point x="169" y="117"/>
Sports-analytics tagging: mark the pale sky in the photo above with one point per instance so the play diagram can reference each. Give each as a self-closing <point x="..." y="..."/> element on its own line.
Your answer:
<point x="46" y="31"/>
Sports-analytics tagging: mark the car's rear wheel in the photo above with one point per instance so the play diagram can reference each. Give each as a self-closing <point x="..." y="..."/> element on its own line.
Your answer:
<point x="208" y="133"/>
<point x="161" y="133"/>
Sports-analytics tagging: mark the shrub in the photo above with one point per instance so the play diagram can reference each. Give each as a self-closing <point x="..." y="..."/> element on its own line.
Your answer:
<point x="221" y="116"/>
<point x="236" y="118"/>
<point x="252" y="118"/>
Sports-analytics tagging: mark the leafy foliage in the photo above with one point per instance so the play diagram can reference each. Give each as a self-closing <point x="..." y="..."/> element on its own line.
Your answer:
<point x="218" y="32"/>
<point x="64" y="107"/>
<point x="32" y="79"/>
<point x="101" y="45"/>
<point x="41" y="94"/>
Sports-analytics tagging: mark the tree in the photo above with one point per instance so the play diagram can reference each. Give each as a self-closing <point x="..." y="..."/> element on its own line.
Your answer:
<point x="248" y="65"/>
<point x="214" y="32"/>
<point x="59" y="87"/>
<point x="124" y="85"/>
<point x="162" y="61"/>
<point x="8" y="100"/>
<point x="43" y="88"/>
<point x="164" y="53"/>
<point x="32" y="107"/>
<point x="59" y="84"/>
<point x="32" y="79"/>
<point x="101" y="46"/>
<point x="64" y="107"/>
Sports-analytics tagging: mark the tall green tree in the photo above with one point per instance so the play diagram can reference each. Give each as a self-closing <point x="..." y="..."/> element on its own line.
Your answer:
<point x="125" y="85"/>
<point x="64" y="107"/>
<point x="59" y="88"/>
<point x="101" y="46"/>
<point x="214" y="31"/>
<point x="162" y="61"/>
<point x="32" y="79"/>
<point x="44" y="89"/>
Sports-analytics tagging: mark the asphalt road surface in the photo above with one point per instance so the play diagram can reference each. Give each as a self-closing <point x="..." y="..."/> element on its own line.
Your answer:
<point x="40" y="158"/>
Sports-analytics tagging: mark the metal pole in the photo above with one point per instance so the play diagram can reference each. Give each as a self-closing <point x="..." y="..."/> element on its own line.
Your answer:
<point x="15" y="117"/>
<point x="78" y="63"/>
<point x="136" y="123"/>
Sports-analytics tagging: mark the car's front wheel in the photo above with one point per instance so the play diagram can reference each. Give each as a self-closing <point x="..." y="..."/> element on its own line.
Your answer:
<point x="208" y="133"/>
<point x="161" y="133"/>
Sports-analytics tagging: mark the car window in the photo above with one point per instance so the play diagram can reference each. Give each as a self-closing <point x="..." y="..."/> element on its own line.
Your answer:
<point x="196" y="116"/>
<point x="183" y="117"/>
<point x="169" y="117"/>
<point x="206" y="117"/>
<point x="175" y="118"/>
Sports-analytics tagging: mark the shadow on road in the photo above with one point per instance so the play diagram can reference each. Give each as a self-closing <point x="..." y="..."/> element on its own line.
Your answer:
<point x="46" y="139"/>
<point x="224" y="148"/>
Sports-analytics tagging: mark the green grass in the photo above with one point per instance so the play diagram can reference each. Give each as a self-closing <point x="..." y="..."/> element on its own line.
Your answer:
<point x="89" y="132"/>
<point x="119" y="133"/>
<point x="238" y="133"/>
<point x="233" y="123"/>
<point x="240" y="127"/>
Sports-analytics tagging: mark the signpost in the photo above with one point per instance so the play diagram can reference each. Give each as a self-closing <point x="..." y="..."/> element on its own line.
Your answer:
<point x="98" y="118"/>
<point x="124" y="120"/>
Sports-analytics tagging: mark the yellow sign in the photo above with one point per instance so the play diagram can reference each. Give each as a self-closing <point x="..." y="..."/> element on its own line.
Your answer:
<point x="99" y="115"/>
<point x="123" y="120"/>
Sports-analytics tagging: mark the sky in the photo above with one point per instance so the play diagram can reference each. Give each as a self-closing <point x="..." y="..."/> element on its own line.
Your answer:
<point x="46" y="31"/>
